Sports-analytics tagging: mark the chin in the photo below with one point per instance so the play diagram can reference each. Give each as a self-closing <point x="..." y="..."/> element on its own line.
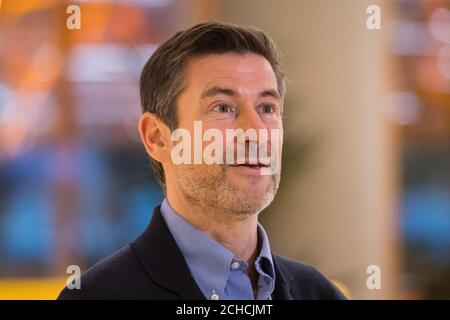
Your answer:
<point x="254" y="196"/>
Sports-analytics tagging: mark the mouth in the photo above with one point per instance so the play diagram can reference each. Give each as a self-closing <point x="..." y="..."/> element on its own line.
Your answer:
<point x="252" y="164"/>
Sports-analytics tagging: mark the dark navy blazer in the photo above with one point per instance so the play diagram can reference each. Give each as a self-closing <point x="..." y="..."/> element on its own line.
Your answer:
<point x="153" y="267"/>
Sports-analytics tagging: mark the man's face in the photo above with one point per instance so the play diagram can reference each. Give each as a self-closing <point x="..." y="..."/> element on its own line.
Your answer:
<point x="229" y="91"/>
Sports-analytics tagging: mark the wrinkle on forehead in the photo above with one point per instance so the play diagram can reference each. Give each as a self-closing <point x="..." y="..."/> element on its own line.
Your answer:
<point x="248" y="74"/>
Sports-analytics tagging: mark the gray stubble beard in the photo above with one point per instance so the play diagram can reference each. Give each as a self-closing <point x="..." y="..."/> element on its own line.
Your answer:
<point x="215" y="193"/>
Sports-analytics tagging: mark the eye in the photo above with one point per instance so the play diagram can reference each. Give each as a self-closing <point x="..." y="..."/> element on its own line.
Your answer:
<point x="267" y="108"/>
<point x="223" y="108"/>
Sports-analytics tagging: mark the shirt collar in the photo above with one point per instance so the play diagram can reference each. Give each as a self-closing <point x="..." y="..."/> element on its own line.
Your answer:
<point x="265" y="253"/>
<point x="209" y="261"/>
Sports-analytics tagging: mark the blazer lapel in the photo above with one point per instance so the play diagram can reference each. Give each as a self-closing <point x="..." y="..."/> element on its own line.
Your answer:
<point x="163" y="260"/>
<point x="165" y="264"/>
<point x="282" y="291"/>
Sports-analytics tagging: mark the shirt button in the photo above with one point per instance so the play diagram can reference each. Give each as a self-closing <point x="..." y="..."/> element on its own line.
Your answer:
<point x="214" y="296"/>
<point x="235" y="265"/>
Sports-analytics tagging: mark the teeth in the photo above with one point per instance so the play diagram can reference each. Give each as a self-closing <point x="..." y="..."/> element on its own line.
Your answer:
<point x="250" y="165"/>
<point x="253" y="165"/>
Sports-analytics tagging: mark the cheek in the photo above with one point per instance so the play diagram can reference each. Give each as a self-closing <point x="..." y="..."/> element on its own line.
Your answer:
<point x="216" y="130"/>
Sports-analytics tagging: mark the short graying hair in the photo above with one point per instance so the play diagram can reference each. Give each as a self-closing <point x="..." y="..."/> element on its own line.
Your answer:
<point x="162" y="78"/>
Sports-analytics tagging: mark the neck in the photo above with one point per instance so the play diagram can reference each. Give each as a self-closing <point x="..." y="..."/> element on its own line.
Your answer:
<point x="236" y="233"/>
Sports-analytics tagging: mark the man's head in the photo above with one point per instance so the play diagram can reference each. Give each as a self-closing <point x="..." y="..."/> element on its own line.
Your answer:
<point x="225" y="77"/>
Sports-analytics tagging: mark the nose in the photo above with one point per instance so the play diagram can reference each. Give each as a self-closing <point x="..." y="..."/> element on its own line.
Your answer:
<point x="250" y="119"/>
<point x="251" y="123"/>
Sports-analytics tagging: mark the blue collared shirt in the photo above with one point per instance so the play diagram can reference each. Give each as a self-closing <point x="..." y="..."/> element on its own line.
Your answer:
<point x="217" y="272"/>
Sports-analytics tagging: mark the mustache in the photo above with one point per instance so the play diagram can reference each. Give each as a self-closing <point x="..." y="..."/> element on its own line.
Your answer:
<point x="249" y="152"/>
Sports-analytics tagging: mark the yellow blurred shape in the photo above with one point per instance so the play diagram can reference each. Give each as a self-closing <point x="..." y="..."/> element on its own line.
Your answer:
<point x="49" y="288"/>
<point x="343" y="288"/>
<point x="31" y="288"/>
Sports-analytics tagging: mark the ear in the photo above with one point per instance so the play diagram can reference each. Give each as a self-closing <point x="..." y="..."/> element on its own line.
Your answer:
<point x="155" y="136"/>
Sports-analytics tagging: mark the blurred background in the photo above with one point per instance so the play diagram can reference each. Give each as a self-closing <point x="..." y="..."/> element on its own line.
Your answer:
<point x="366" y="176"/>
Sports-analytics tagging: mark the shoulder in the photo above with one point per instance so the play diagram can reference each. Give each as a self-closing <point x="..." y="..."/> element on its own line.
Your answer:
<point x="118" y="276"/>
<point x="305" y="281"/>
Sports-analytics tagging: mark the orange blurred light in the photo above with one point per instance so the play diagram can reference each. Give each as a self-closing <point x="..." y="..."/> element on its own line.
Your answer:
<point x="14" y="7"/>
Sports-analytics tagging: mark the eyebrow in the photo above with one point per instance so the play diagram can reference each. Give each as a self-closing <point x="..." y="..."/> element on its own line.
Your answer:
<point x="229" y="92"/>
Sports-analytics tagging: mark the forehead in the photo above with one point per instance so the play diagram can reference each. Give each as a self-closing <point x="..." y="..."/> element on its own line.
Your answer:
<point x="246" y="73"/>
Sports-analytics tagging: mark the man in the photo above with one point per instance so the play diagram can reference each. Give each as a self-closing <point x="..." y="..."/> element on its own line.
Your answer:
<point x="204" y="241"/>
